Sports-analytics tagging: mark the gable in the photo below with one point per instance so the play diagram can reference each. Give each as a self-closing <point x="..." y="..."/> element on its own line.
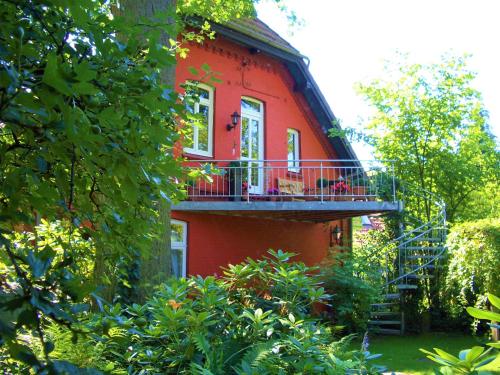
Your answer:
<point x="245" y="73"/>
<point x="256" y="35"/>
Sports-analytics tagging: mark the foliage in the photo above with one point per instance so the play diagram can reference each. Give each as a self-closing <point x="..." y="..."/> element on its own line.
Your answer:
<point x="354" y="284"/>
<point x="474" y="261"/>
<point x="86" y="129"/>
<point x="469" y="361"/>
<point x="255" y="319"/>
<point x="430" y="120"/>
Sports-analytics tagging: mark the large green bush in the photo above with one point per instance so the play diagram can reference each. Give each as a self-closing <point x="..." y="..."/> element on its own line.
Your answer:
<point x="354" y="285"/>
<point x="256" y="319"/>
<point x="474" y="264"/>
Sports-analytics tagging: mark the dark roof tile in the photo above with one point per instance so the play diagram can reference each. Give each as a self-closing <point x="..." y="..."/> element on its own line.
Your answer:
<point x="255" y="28"/>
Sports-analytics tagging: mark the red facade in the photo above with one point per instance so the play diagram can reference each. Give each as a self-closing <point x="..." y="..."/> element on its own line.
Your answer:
<point x="216" y="240"/>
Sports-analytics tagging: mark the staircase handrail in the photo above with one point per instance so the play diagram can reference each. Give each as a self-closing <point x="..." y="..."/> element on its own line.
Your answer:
<point x="408" y="237"/>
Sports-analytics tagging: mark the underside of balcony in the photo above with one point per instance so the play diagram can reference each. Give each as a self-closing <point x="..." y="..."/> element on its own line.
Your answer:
<point x="306" y="211"/>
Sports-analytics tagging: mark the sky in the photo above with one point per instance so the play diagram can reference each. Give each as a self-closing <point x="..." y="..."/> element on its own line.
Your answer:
<point x="347" y="41"/>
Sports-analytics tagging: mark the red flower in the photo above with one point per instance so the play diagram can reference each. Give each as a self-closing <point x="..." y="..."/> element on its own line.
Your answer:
<point x="341" y="187"/>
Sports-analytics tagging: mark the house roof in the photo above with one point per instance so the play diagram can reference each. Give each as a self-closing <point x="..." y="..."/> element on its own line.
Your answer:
<point x="256" y="34"/>
<point x="259" y="30"/>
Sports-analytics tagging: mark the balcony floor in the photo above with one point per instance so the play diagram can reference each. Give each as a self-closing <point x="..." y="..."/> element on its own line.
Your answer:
<point x="307" y="211"/>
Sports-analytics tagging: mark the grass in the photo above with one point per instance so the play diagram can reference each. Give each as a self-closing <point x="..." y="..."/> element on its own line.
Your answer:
<point x="401" y="354"/>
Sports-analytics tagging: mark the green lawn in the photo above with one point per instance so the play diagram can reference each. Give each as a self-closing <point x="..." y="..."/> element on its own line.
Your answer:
<point x="401" y="354"/>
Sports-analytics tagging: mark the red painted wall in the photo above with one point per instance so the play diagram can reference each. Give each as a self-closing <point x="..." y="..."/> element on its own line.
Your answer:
<point x="213" y="240"/>
<point x="263" y="78"/>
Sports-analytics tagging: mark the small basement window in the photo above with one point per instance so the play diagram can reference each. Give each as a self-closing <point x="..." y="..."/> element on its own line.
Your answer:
<point x="178" y="238"/>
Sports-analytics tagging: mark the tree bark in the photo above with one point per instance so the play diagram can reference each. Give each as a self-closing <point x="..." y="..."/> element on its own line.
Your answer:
<point x="156" y="266"/>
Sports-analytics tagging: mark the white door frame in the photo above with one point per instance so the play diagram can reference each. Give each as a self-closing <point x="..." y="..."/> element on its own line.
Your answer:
<point x="257" y="116"/>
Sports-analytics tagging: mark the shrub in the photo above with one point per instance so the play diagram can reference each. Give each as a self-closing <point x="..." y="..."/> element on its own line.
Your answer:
<point x="474" y="251"/>
<point x="346" y="276"/>
<point x="255" y="319"/>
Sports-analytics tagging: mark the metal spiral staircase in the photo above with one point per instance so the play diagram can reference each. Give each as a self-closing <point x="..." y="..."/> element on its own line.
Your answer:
<point x="412" y="259"/>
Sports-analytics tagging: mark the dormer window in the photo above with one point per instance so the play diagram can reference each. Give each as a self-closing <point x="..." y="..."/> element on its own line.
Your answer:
<point x="199" y="138"/>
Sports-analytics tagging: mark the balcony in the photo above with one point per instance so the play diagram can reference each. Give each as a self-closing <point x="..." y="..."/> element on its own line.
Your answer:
<point x="302" y="190"/>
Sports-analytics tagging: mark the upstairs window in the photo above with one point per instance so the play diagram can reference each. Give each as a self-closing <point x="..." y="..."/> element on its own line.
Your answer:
<point x="200" y="134"/>
<point x="178" y="238"/>
<point x="293" y="144"/>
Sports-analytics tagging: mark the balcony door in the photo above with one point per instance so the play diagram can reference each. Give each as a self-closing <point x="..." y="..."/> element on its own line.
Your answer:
<point x="252" y="144"/>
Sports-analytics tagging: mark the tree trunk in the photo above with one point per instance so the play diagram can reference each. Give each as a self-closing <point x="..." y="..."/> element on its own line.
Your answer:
<point x="155" y="267"/>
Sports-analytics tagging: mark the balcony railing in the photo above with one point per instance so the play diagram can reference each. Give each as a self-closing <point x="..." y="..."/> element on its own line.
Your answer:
<point x="289" y="180"/>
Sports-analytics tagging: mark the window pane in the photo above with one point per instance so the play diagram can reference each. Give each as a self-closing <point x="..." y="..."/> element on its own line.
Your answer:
<point x="247" y="105"/>
<point x="255" y="139"/>
<point x="176" y="262"/>
<point x="203" y="129"/>
<point x="204" y="94"/>
<point x="293" y="150"/>
<point x="244" y="137"/>
<point x="177" y="233"/>
<point x="291" y="145"/>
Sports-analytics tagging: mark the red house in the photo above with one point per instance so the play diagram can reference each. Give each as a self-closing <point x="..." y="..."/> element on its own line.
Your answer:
<point x="268" y="174"/>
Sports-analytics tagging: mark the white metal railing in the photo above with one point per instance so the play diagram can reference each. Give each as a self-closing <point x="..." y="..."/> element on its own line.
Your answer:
<point x="308" y="180"/>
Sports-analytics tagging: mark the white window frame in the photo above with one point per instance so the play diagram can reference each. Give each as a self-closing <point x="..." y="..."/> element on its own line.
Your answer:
<point x="181" y="245"/>
<point x="293" y="164"/>
<point x="210" y="104"/>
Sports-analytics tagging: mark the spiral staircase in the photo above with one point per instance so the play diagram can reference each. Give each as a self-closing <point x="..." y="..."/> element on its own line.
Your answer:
<point x="412" y="259"/>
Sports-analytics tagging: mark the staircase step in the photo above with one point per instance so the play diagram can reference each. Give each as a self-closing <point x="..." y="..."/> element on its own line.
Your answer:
<point x="429" y="239"/>
<point x="424" y="257"/>
<point x="426" y="267"/>
<point x="384" y="304"/>
<point x="385" y="322"/>
<point x="419" y="277"/>
<point x="385" y="331"/>
<point x="406" y="286"/>
<point x="384" y="313"/>
<point x="421" y="248"/>
<point x="392" y="296"/>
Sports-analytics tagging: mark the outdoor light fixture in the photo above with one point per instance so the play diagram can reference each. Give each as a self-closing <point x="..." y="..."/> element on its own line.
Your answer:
<point x="336" y="235"/>
<point x="234" y="121"/>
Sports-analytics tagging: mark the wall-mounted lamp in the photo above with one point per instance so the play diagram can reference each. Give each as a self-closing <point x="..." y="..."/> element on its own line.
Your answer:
<point x="336" y="236"/>
<point x="234" y="121"/>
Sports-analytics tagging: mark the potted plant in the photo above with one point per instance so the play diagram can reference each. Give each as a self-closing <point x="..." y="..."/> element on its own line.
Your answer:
<point x="235" y="180"/>
<point x="323" y="187"/>
<point x="360" y="187"/>
<point x="341" y="190"/>
<point x="273" y="194"/>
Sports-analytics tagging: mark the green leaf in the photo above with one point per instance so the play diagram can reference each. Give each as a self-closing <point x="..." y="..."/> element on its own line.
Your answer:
<point x="483" y="314"/>
<point x="447" y="356"/>
<point x="84" y="72"/>
<point x="473" y="353"/>
<point x="205" y="67"/>
<point x="38" y="263"/>
<point x="23" y="353"/>
<point x="495" y="301"/>
<point x="53" y="78"/>
<point x="85" y="88"/>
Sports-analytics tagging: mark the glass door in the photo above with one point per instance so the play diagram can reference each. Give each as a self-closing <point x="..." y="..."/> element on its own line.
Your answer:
<point x="252" y="144"/>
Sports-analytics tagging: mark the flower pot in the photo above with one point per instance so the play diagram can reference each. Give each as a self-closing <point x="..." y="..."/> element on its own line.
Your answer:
<point x="359" y="193"/>
<point x="341" y="197"/>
